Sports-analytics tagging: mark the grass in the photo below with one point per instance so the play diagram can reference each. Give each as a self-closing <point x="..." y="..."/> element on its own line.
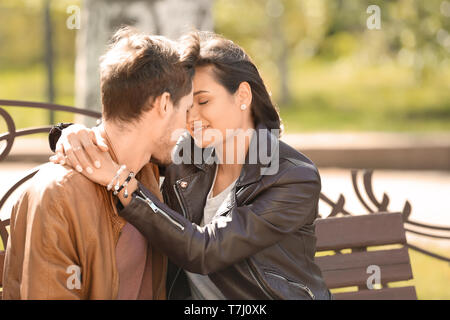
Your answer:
<point x="431" y="276"/>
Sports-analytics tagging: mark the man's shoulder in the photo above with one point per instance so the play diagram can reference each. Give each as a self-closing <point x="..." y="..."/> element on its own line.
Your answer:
<point x="58" y="193"/>
<point x="54" y="180"/>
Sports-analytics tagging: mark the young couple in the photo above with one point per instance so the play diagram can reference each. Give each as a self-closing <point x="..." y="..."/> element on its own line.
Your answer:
<point x="94" y="223"/>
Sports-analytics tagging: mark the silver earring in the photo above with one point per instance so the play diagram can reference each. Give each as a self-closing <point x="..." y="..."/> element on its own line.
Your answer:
<point x="243" y="107"/>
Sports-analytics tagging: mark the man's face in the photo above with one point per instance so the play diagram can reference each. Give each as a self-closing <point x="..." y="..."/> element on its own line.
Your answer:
<point x="173" y="130"/>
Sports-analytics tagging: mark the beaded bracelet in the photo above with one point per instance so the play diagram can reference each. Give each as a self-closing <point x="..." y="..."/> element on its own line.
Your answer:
<point x="124" y="185"/>
<point x="116" y="177"/>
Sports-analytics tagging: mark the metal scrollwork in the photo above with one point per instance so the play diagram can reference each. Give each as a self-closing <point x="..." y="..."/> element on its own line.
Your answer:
<point x="382" y="206"/>
<point x="12" y="133"/>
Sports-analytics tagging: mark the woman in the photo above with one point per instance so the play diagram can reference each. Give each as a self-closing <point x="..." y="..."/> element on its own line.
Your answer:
<point x="240" y="223"/>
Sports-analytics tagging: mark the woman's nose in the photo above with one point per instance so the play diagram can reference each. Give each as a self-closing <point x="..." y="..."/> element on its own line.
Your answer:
<point x="192" y="115"/>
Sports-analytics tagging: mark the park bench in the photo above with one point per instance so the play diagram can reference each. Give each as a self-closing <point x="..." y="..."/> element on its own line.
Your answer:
<point x="357" y="233"/>
<point x="350" y="247"/>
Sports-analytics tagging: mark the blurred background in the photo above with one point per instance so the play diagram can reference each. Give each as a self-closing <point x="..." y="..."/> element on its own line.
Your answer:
<point x="356" y="88"/>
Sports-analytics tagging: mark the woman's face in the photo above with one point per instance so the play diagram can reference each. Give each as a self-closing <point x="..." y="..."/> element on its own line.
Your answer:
<point x="216" y="113"/>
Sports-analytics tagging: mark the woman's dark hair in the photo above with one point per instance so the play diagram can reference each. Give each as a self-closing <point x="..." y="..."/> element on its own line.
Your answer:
<point x="231" y="67"/>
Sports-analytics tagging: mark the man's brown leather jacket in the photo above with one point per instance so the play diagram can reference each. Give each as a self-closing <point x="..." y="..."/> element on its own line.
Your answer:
<point x="62" y="226"/>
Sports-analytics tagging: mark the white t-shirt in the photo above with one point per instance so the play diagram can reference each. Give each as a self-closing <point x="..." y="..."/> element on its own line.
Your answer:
<point x="202" y="288"/>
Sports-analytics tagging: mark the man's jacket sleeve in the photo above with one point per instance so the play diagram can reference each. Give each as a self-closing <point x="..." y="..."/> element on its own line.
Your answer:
<point x="283" y="208"/>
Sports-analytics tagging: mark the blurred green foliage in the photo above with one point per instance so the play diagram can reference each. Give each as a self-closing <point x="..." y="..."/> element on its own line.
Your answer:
<point x="22" y="33"/>
<point x="341" y="75"/>
<point x="22" y="70"/>
<point x="325" y="69"/>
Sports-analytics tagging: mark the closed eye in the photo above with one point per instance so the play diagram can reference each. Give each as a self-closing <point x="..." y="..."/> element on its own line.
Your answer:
<point x="204" y="102"/>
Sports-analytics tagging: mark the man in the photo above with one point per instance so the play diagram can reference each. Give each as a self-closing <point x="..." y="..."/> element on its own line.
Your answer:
<point x="67" y="240"/>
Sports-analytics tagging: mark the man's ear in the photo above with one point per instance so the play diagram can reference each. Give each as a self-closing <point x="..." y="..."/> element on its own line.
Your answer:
<point x="163" y="104"/>
<point x="244" y="94"/>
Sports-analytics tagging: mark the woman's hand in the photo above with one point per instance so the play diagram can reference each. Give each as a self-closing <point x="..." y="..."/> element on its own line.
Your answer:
<point x="79" y="147"/>
<point x="86" y="151"/>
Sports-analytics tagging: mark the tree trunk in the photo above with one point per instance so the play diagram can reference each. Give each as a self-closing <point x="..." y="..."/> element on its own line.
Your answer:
<point x="101" y="18"/>
<point x="282" y="57"/>
<point x="49" y="59"/>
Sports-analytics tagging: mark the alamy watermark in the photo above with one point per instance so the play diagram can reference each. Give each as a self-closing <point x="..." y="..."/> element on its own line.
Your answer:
<point x="375" y="276"/>
<point x="374" y="20"/>
<point x="74" y="278"/>
<point x="74" y="20"/>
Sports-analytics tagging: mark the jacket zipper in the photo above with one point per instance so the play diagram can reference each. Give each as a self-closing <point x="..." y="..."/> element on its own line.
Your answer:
<point x="152" y="205"/>
<point x="184" y="215"/>
<point x="258" y="282"/>
<point x="301" y="286"/>
<point x="179" y="200"/>
<point x="240" y="190"/>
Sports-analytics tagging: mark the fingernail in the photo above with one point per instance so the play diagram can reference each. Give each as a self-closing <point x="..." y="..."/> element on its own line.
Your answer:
<point x="62" y="162"/>
<point x="97" y="164"/>
<point x="89" y="170"/>
<point x="79" y="168"/>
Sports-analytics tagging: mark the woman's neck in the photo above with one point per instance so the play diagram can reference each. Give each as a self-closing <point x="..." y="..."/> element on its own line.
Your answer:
<point x="230" y="164"/>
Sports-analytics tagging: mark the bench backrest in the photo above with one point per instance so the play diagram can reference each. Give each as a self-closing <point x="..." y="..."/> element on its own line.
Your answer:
<point x="353" y="269"/>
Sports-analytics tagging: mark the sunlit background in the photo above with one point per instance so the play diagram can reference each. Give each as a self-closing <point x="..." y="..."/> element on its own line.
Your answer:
<point x="325" y="68"/>
<point x="327" y="71"/>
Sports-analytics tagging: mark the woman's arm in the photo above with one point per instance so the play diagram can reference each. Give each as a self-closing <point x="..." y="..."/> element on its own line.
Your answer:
<point x="286" y="206"/>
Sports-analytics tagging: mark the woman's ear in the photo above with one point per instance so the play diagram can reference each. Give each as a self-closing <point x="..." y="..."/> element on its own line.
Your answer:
<point x="244" y="94"/>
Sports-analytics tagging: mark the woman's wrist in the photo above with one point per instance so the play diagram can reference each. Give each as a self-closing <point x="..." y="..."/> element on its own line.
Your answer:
<point x="131" y="187"/>
<point x="126" y="182"/>
<point x="111" y="178"/>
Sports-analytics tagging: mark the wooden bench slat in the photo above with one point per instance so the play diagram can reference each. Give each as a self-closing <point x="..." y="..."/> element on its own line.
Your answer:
<point x="2" y="260"/>
<point x="337" y="233"/>
<point x="403" y="293"/>
<point x="4" y="232"/>
<point x="363" y="259"/>
<point x="359" y="276"/>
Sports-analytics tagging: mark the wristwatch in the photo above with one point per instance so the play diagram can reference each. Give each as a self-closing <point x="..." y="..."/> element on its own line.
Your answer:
<point x="55" y="133"/>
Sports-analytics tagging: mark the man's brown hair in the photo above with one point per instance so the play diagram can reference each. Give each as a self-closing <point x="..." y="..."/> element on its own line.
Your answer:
<point x="138" y="67"/>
